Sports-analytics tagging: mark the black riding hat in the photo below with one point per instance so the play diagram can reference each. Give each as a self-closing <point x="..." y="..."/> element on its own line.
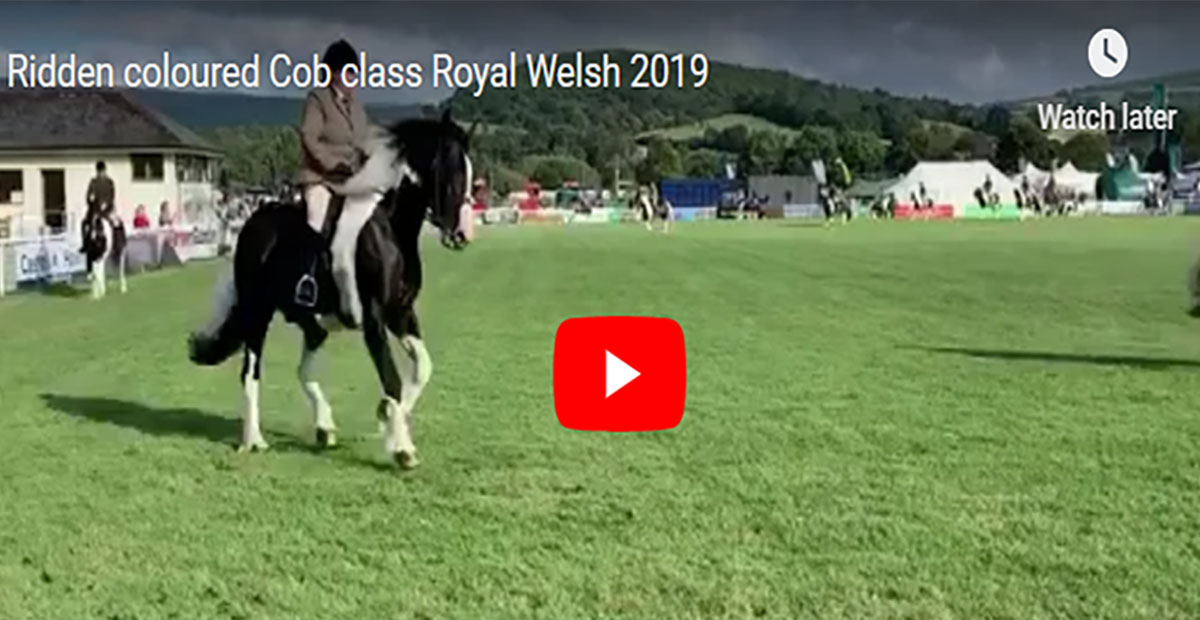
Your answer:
<point x="338" y="55"/>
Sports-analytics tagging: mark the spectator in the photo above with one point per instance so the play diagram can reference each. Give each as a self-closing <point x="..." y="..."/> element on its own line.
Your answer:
<point x="141" y="220"/>
<point x="164" y="215"/>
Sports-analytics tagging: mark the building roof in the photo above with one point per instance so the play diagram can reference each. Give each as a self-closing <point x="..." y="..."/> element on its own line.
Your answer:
<point x="62" y="118"/>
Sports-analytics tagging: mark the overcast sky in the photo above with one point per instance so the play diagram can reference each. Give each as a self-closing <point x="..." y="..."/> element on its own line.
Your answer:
<point x="973" y="52"/>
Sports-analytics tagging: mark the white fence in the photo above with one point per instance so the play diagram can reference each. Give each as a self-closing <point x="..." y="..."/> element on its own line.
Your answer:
<point x="57" y="257"/>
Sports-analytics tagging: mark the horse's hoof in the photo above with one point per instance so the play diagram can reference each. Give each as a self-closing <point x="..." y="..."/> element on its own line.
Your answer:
<point x="326" y="439"/>
<point x="406" y="460"/>
<point x="255" y="446"/>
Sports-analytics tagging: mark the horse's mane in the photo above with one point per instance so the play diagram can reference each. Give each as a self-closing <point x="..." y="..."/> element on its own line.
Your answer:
<point x="425" y="130"/>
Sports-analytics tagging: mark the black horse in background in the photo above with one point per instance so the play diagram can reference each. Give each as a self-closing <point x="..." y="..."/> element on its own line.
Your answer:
<point x="419" y="169"/>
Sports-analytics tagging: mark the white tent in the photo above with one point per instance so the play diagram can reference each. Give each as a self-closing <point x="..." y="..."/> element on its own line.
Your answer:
<point x="1036" y="176"/>
<point x="1081" y="182"/>
<point x="952" y="182"/>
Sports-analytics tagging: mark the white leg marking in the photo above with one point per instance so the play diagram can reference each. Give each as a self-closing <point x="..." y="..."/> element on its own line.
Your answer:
<point x="99" y="285"/>
<point x="416" y="367"/>
<point x="322" y="412"/>
<point x="420" y="369"/>
<point x="94" y="281"/>
<point x="252" y="438"/>
<point x="397" y="438"/>
<point x="121" y="272"/>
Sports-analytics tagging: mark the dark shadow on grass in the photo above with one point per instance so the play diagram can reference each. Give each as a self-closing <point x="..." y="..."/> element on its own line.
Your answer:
<point x="160" y="421"/>
<point x="1134" y="361"/>
<point x="61" y="289"/>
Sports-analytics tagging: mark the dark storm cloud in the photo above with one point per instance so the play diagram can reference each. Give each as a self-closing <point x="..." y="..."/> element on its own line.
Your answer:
<point x="963" y="51"/>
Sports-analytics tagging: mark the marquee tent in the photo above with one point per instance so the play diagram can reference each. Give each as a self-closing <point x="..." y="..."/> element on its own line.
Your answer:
<point x="1081" y="182"/>
<point x="952" y="183"/>
<point x="1036" y="176"/>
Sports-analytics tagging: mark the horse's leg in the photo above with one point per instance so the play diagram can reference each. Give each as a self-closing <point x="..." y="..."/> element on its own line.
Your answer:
<point x="121" y="271"/>
<point x="314" y="337"/>
<point x="419" y="366"/>
<point x="99" y="282"/>
<point x="92" y="281"/>
<point x="397" y="439"/>
<point x="252" y="439"/>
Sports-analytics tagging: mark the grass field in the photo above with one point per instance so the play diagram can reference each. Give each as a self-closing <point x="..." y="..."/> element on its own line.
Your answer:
<point x="884" y="420"/>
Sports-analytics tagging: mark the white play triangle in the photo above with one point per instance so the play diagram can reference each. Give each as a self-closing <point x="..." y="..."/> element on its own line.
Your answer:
<point x="617" y="374"/>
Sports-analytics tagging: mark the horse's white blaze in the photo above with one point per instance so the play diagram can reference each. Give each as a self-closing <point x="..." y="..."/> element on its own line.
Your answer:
<point x="224" y="298"/>
<point x="251" y="432"/>
<point x="322" y="412"/>
<point x="470" y="180"/>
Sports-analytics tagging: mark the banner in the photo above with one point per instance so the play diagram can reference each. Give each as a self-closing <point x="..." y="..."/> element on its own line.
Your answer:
<point x="49" y="257"/>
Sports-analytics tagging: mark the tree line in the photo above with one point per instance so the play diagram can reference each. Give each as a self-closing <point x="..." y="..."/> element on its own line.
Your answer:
<point x="599" y="136"/>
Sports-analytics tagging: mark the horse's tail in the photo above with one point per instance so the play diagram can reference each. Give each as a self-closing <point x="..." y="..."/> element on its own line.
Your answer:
<point x="223" y="335"/>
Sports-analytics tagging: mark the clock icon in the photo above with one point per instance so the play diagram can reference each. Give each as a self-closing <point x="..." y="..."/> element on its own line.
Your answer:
<point x="1107" y="53"/>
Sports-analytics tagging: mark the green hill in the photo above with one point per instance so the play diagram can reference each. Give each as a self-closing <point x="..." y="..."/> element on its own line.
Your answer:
<point x="774" y="96"/>
<point x="691" y="131"/>
<point x="953" y="129"/>
<point x="1183" y="91"/>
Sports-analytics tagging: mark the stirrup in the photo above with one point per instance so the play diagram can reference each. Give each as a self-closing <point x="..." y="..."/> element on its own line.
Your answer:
<point x="306" y="291"/>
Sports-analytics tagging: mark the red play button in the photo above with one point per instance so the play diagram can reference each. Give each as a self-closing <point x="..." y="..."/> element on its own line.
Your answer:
<point x="619" y="373"/>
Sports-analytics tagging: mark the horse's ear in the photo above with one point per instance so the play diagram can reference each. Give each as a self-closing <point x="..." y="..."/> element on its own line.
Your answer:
<point x="446" y="117"/>
<point x="471" y="131"/>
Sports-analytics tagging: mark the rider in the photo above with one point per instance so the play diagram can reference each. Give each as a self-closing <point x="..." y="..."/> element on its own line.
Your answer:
<point x="333" y="136"/>
<point x="101" y="196"/>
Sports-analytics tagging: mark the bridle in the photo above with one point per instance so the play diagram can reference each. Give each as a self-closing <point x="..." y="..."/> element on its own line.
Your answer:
<point x="454" y="240"/>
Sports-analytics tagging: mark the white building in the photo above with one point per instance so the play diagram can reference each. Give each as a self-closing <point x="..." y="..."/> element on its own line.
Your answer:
<point x="51" y="139"/>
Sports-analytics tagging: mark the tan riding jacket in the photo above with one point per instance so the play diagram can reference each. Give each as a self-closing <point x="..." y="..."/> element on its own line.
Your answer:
<point x="333" y="130"/>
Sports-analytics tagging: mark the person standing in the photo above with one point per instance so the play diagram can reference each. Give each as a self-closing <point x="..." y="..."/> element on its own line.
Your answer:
<point x="165" y="220"/>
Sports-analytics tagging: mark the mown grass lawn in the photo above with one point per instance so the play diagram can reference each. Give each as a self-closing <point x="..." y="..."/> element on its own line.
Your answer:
<point x="884" y="420"/>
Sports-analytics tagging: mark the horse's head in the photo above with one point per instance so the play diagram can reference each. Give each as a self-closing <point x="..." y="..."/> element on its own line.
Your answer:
<point x="425" y="161"/>
<point x="436" y="170"/>
<point x="452" y="177"/>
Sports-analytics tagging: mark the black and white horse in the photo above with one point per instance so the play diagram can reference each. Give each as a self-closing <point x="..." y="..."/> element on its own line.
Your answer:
<point x="103" y="241"/>
<point x="419" y="169"/>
